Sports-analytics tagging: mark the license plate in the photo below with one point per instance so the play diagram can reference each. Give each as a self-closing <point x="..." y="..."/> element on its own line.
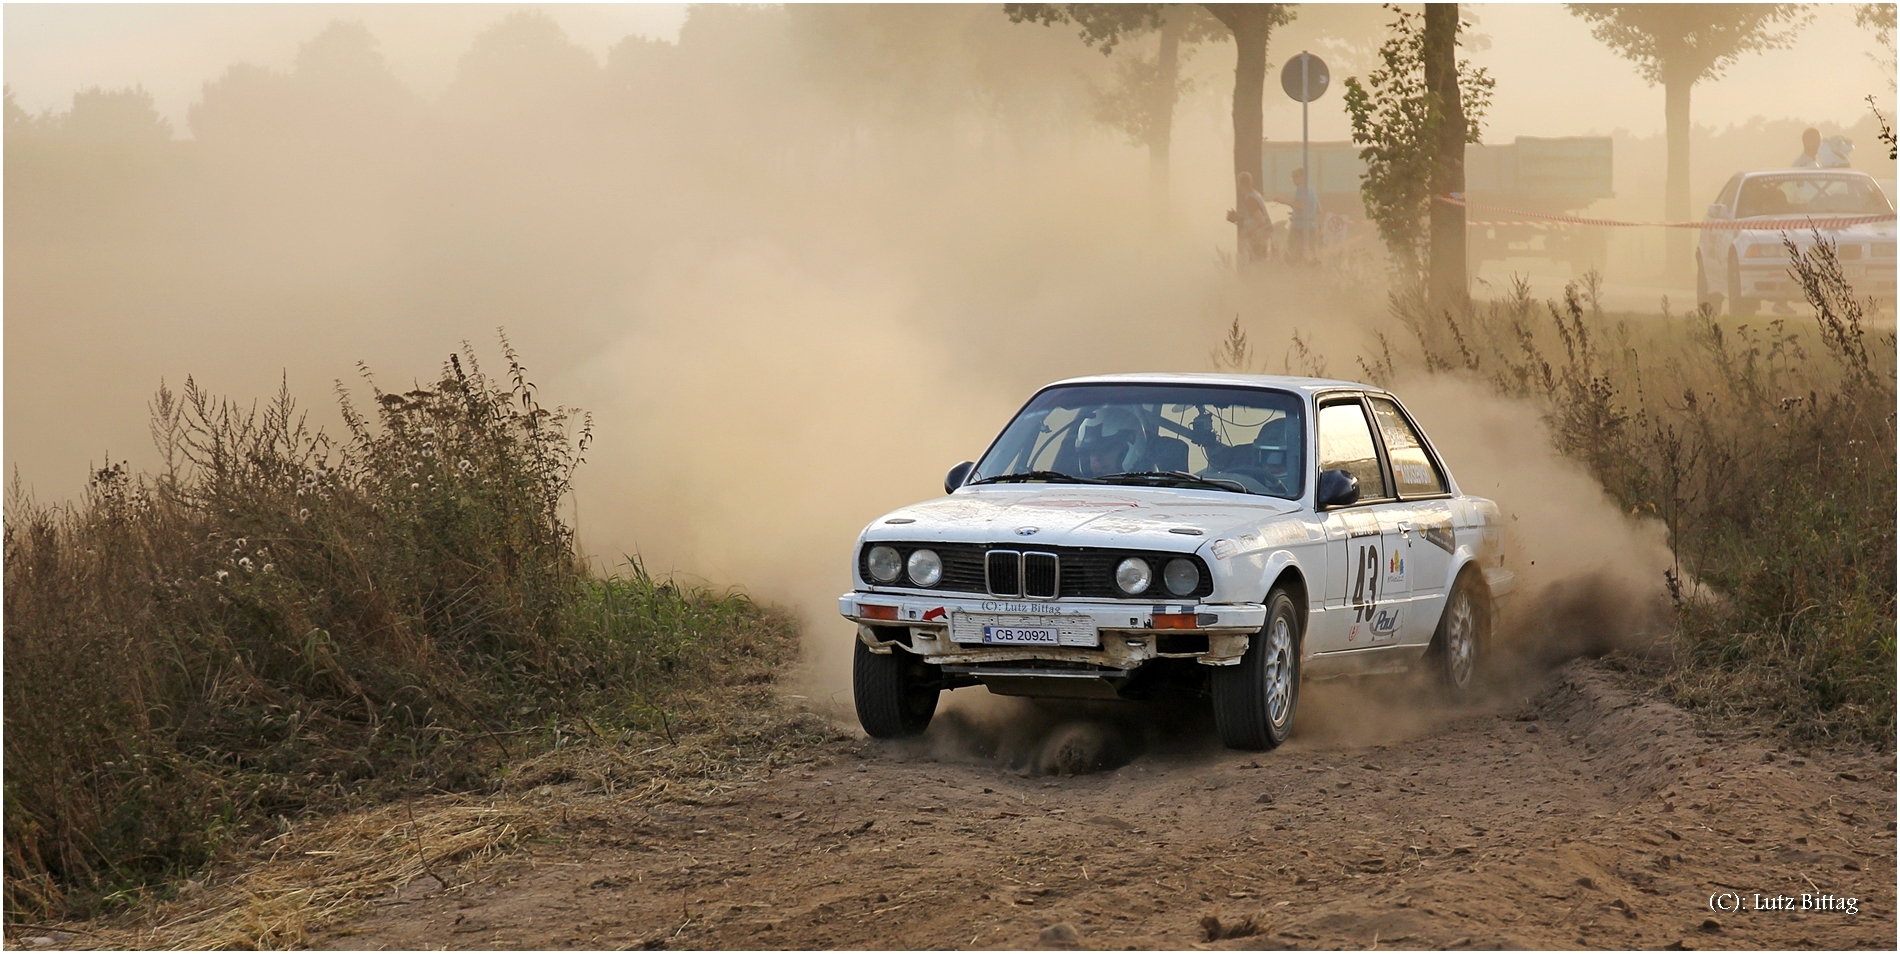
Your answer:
<point x="1022" y="635"/>
<point x="1024" y="629"/>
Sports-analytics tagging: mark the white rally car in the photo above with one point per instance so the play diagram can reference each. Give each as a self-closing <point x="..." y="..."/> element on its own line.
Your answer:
<point x="1223" y="534"/>
<point x="1748" y="264"/>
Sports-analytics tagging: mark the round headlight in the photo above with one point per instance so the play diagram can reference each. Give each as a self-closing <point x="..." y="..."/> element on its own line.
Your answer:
<point x="884" y="564"/>
<point x="1182" y="576"/>
<point x="1133" y="576"/>
<point x="925" y="567"/>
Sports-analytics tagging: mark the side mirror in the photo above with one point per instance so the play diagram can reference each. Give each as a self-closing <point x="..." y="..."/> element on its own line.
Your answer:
<point x="1718" y="211"/>
<point x="957" y="476"/>
<point x="1338" y="488"/>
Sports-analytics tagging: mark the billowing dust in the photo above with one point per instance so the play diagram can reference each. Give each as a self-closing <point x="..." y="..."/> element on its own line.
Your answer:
<point x="796" y="264"/>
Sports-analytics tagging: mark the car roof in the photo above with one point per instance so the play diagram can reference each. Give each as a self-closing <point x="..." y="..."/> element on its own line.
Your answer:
<point x="1808" y="173"/>
<point x="1285" y="382"/>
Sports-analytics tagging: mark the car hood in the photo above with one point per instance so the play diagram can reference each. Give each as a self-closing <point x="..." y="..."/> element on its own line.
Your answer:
<point x="1080" y="515"/>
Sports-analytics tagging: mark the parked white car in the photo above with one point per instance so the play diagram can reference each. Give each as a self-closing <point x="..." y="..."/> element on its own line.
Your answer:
<point x="1747" y="266"/>
<point x="1131" y="534"/>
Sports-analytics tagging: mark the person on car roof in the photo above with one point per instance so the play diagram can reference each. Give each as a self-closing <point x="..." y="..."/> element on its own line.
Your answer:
<point x="1810" y="147"/>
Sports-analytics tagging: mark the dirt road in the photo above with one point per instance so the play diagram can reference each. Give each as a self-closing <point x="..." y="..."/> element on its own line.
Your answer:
<point x="1582" y="816"/>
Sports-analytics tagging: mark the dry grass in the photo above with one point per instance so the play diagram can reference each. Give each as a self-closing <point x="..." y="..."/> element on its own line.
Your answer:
<point x="1765" y="445"/>
<point x="287" y="886"/>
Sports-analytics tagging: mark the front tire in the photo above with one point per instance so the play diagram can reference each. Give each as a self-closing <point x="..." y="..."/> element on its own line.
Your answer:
<point x="1458" y="646"/>
<point x="1254" y="700"/>
<point x="1737" y="305"/>
<point x="895" y="692"/>
<point x="1704" y="295"/>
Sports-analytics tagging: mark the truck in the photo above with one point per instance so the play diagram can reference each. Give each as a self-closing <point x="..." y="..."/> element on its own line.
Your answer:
<point x="1547" y="176"/>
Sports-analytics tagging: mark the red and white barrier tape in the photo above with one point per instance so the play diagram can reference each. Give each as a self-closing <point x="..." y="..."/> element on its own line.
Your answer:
<point x="1766" y="225"/>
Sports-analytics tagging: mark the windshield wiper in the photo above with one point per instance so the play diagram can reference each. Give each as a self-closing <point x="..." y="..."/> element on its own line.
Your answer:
<point x="1052" y="476"/>
<point x="1157" y="476"/>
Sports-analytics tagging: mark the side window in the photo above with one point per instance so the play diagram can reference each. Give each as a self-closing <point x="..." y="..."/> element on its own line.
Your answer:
<point x="1411" y="466"/>
<point x="1345" y="443"/>
<point x="1727" y="197"/>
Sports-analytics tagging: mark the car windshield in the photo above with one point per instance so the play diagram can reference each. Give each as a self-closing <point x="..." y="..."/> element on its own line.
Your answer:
<point x="1810" y="195"/>
<point x="1241" y="440"/>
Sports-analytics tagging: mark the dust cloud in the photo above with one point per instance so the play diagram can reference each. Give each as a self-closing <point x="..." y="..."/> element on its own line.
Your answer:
<point x="1589" y="576"/>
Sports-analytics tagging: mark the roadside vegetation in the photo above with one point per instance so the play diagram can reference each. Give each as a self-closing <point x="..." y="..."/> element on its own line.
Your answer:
<point x="279" y="624"/>
<point x="1765" y="445"/>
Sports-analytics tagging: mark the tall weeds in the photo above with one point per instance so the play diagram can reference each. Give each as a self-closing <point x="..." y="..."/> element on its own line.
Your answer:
<point x="277" y="620"/>
<point x="1768" y="450"/>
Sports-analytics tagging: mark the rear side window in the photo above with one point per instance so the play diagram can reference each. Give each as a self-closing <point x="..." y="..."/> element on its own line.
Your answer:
<point x="1345" y="443"/>
<point x="1411" y="467"/>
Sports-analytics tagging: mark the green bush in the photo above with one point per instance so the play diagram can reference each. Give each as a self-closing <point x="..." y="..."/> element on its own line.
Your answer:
<point x="277" y="621"/>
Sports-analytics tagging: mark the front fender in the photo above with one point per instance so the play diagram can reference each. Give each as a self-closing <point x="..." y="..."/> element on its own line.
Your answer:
<point x="1276" y="566"/>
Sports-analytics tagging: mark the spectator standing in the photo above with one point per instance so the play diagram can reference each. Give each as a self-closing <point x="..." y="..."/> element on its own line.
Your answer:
<point x="1256" y="225"/>
<point x="1303" y="231"/>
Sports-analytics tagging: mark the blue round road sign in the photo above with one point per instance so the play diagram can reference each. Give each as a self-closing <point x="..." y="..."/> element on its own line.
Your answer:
<point x="1305" y="78"/>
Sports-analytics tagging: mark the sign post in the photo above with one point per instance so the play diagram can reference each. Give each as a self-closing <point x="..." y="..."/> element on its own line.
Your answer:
<point x="1305" y="79"/>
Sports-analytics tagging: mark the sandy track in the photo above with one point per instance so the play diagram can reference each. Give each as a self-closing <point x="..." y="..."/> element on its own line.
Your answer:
<point x="1583" y="817"/>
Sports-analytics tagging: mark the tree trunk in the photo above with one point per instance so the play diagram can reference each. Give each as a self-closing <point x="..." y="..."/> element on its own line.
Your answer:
<point x="1250" y="80"/>
<point x="1161" y="130"/>
<point x="1677" y="243"/>
<point x="1250" y="24"/>
<point x="1448" y="282"/>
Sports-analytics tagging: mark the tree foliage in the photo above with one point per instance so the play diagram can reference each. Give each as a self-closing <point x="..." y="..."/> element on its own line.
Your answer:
<point x="1140" y="99"/>
<point x="1398" y="120"/>
<point x="98" y="115"/>
<point x="1102" y="25"/>
<point x="1878" y="18"/>
<point x="339" y="86"/>
<point x="1691" y="42"/>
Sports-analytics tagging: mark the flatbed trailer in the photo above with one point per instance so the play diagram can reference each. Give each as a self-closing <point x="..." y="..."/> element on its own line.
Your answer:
<point x="1547" y="176"/>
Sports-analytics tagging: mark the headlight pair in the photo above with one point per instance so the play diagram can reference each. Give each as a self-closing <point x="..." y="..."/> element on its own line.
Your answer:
<point x="924" y="567"/>
<point x="1133" y="576"/>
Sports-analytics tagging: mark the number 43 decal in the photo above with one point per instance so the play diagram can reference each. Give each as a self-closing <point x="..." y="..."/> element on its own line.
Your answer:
<point x="1365" y="588"/>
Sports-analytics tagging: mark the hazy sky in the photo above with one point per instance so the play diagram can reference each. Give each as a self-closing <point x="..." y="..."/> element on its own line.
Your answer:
<point x="1553" y="79"/>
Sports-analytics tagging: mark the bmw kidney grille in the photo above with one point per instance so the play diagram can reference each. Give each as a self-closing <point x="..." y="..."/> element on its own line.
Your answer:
<point x="1030" y="575"/>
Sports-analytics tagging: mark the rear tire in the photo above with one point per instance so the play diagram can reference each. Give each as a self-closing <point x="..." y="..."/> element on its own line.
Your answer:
<point x="895" y="692"/>
<point x="1255" y="699"/>
<point x="1458" y="647"/>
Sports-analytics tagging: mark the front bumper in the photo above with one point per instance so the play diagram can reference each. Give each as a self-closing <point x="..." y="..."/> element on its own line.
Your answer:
<point x="1773" y="283"/>
<point x="1126" y="634"/>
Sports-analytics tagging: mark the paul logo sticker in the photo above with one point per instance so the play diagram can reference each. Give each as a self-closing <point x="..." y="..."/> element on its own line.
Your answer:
<point x="1385" y="624"/>
<point x="1395" y="567"/>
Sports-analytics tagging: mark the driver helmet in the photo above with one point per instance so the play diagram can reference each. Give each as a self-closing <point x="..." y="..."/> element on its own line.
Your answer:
<point x="1274" y="441"/>
<point x="1109" y="429"/>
